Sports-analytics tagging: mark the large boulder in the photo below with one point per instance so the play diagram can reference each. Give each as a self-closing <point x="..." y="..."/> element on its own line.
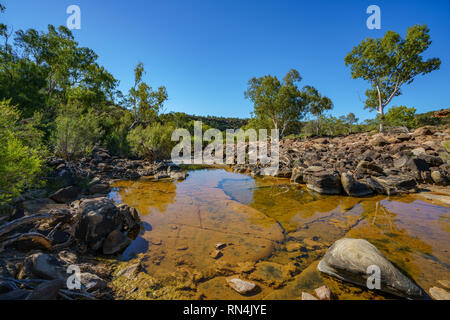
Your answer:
<point x="97" y="218"/>
<point x="65" y="195"/>
<point x="322" y="180"/>
<point x="348" y="260"/>
<point x="44" y="266"/>
<point x="354" y="188"/>
<point x="369" y="168"/>
<point x="393" y="184"/>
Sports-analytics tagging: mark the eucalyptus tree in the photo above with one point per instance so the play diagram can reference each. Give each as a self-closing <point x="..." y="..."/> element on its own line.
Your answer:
<point x="145" y="102"/>
<point x="389" y="63"/>
<point x="280" y="103"/>
<point x="318" y="104"/>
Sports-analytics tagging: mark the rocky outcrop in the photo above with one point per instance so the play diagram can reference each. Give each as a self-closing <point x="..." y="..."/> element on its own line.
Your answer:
<point x="98" y="219"/>
<point x="65" y="195"/>
<point x="354" y="188"/>
<point x="349" y="259"/>
<point x="321" y="180"/>
<point x="395" y="162"/>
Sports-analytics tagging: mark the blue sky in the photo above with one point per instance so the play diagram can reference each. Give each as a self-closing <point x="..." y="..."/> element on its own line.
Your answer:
<point x="205" y="51"/>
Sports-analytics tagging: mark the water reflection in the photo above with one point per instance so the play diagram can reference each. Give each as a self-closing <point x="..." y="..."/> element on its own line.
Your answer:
<point x="269" y="220"/>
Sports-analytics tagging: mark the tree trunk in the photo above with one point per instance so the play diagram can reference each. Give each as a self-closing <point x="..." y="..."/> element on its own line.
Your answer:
<point x="381" y="112"/>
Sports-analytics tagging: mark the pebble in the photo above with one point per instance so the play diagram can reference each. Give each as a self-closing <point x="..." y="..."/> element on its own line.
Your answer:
<point x="216" y="254"/>
<point x="307" y="296"/>
<point x="241" y="286"/>
<point x="439" y="294"/>
<point x="323" y="293"/>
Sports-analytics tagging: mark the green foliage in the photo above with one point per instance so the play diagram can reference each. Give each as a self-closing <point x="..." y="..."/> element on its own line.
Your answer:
<point x="76" y="132"/>
<point x="389" y="63"/>
<point x="401" y="116"/>
<point x="152" y="142"/>
<point x="145" y="102"/>
<point x="20" y="165"/>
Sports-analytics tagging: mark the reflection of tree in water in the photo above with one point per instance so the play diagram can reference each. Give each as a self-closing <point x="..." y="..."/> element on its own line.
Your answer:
<point x="147" y="195"/>
<point x="381" y="229"/>
<point x="283" y="202"/>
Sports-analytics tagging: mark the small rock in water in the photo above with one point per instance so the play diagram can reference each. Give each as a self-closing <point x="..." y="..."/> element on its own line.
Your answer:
<point x="439" y="294"/>
<point x="323" y="293"/>
<point x="216" y="254"/>
<point x="307" y="296"/>
<point x="241" y="286"/>
<point x="220" y="245"/>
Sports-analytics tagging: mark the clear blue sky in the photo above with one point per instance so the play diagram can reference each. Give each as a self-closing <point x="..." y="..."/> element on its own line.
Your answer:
<point x="205" y="51"/>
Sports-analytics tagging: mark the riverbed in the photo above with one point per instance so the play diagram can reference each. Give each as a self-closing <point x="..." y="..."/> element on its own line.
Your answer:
<point x="270" y="232"/>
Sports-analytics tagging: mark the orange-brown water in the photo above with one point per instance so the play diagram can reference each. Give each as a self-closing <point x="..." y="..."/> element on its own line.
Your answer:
<point x="274" y="234"/>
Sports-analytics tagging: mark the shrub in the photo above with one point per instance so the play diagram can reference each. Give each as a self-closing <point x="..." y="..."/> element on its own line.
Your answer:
<point x="153" y="142"/>
<point x="20" y="165"/>
<point x="76" y="133"/>
<point x="401" y="116"/>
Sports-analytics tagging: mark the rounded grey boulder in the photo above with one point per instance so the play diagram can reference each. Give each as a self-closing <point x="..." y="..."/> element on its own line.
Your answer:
<point x="348" y="260"/>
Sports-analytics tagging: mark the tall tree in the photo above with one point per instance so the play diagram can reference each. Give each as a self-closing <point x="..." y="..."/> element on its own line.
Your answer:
<point x="280" y="102"/>
<point x="318" y="104"/>
<point x="389" y="63"/>
<point x="145" y="102"/>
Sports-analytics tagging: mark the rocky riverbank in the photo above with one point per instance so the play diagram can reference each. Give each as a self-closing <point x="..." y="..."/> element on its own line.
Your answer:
<point x="365" y="164"/>
<point x="47" y="232"/>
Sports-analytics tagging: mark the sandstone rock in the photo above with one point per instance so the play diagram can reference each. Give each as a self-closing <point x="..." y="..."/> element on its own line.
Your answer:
<point x="216" y="254"/>
<point x="47" y="290"/>
<point x="391" y="185"/>
<point x="424" y="131"/>
<point x="99" y="188"/>
<point x="322" y="181"/>
<point x="348" y="259"/>
<point x="242" y="286"/>
<point x="297" y="175"/>
<point x="368" y="168"/>
<point x="178" y="175"/>
<point x="307" y="296"/>
<point x="92" y="282"/>
<point x="115" y="242"/>
<point x="65" y="195"/>
<point x="323" y="293"/>
<point x="96" y="219"/>
<point x="44" y="266"/>
<point x="130" y="271"/>
<point x="418" y="151"/>
<point x="439" y="293"/>
<point x="379" y="141"/>
<point x="354" y="188"/>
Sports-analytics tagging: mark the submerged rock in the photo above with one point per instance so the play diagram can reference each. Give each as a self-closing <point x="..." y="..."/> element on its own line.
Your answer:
<point x="241" y="286"/>
<point x="348" y="259"/>
<point x="324" y="293"/>
<point x="307" y="296"/>
<point x="439" y="293"/>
